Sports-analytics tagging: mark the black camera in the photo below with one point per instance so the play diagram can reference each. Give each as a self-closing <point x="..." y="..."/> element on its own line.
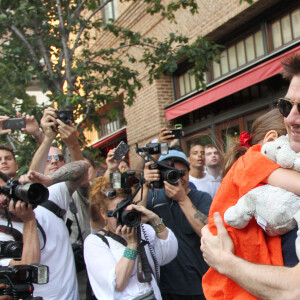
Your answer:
<point x="131" y="218"/>
<point x="124" y="180"/>
<point x="20" y="279"/>
<point x="154" y="148"/>
<point x="167" y="173"/>
<point x="33" y="193"/>
<point x="65" y="116"/>
<point x="11" y="249"/>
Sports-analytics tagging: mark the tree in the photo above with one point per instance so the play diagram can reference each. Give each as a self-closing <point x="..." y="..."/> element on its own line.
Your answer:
<point x="51" y="43"/>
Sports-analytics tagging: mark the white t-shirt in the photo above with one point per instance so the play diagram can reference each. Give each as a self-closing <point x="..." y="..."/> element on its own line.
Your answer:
<point x="216" y="182"/>
<point x="57" y="254"/>
<point x="101" y="261"/>
<point x="204" y="184"/>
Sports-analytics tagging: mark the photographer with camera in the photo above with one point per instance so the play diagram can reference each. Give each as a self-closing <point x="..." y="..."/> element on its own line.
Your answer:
<point x="185" y="212"/>
<point x="25" y="249"/>
<point x="49" y="159"/>
<point x="24" y="220"/>
<point x="112" y="257"/>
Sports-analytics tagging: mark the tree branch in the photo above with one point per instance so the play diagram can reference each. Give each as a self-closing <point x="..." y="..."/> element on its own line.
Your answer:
<point x="64" y="41"/>
<point x="44" y="54"/>
<point x="23" y="39"/>
<point x="86" y="21"/>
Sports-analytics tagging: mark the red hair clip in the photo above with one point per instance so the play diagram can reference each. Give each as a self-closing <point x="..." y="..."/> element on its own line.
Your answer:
<point x="245" y="140"/>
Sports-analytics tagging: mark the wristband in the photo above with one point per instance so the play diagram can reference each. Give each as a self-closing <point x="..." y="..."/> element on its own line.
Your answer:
<point x="159" y="227"/>
<point x="130" y="253"/>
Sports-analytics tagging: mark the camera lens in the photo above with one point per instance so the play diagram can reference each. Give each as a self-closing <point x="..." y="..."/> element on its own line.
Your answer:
<point x="131" y="218"/>
<point x="13" y="249"/>
<point x="172" y="176"/>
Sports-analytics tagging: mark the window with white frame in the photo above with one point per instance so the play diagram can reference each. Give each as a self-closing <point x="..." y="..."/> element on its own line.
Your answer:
<point x="109" y="11"/>
<point x="285" y="29"/>
<point x="239" y="54"/>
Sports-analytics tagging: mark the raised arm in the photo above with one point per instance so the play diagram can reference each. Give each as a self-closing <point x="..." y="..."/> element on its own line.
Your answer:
<point x="68" y="134"/>
<point x="73" y="173"/>
<point x="39" y="159"/>
<point x="31" y="244"/>
<point x="263" y="281"/>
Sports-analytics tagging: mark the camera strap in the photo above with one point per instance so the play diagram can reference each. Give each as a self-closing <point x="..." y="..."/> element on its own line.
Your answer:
<point x="54" y="208"/>
<point x="74" y="211"/>
<point x="144" y="269"/>
<point x="16" y="234"/>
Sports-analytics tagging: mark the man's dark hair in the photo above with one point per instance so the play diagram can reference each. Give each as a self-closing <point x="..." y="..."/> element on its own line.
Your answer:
<point x="4" y="177"/>
<point x="4" y="147"/>
<point x="291" y="66"/>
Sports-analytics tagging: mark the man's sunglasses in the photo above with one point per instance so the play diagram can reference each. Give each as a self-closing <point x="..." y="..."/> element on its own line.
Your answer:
<point x="285" y="106"/>
<point x="57" y="157"/>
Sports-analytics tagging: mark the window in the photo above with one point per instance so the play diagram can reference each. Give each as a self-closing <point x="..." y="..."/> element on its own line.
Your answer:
<point x="110" y="126"/>
<point x="187" y="84"/>
<point x="239" y="54"/>
<point x="285" y="29"/>
<point x="109" y="11"/>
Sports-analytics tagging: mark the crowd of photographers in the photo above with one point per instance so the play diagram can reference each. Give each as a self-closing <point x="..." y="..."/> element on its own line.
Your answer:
<point x="140" y="229"/>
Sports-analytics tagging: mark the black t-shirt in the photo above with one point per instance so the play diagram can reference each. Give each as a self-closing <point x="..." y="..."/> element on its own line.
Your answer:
<point x="290" y="258"/>
<point x="183" y="275"/>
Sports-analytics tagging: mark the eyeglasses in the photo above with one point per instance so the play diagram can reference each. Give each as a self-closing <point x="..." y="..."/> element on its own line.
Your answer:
<point x="57" y="157"/>
<point x="285" y="106"/>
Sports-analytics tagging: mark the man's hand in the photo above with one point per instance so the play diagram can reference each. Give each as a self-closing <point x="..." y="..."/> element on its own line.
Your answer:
<point x="22" y="210"/>
<point x="149" y="174"/>
<point x="68" y="132"/>
<point x="2" y="119"/>
<point x="175" y="192"/>
<point x="33" y="176"/>
<point x="32" y="126"/>
<point x="165" y="135"/>
<point x="4" y="297"/>
<point x="217" y="250"/>
<point x="111" y="163"/>
<point x="49" y="123"/>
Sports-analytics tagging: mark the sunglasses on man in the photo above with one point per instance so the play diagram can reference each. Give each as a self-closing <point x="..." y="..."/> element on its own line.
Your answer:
<point x="285" y="106"/>
<point x="57" y="157"/>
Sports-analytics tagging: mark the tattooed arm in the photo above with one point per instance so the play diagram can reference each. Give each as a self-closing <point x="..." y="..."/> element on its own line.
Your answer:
<point x="73" y="173"/>
<point x="196" y="218"/>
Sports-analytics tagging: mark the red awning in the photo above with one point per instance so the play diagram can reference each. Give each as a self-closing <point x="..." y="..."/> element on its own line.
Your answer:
<point x="259" y="73"/>
<point x="110" y="138"/>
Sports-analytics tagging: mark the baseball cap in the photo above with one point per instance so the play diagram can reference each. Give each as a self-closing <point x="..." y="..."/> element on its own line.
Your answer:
<point x="175" y="155"/>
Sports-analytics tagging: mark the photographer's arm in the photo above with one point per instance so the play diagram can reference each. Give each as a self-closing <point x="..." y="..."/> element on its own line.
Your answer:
<point x="149" y="176"/>
<point x="68" y="134"/>
<point x="32" y="127"/>
<point x="72" y="173"/>
<point x="125" y="265"/>
<point x="195" y="217"/>
<point x="39" y="159"/>
<point x="263" y="281"/>
<point x="31" y="244"/>
<point x="112" y="164"/>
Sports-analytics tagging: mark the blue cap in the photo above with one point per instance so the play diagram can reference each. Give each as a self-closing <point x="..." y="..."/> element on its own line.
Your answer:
<point x="175" y="155"/>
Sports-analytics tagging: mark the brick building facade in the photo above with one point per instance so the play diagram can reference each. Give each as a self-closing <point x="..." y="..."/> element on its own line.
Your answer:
<point x="251" y="37"/>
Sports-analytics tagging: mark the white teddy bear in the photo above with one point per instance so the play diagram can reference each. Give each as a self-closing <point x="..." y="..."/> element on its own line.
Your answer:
<point x="276" y="210"/>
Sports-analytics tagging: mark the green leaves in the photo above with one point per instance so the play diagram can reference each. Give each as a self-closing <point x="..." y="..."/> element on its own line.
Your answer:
<point x="55" y="45"/>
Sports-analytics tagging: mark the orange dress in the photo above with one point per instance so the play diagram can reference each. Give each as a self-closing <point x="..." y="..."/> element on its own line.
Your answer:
<point x="250" y="243"/>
